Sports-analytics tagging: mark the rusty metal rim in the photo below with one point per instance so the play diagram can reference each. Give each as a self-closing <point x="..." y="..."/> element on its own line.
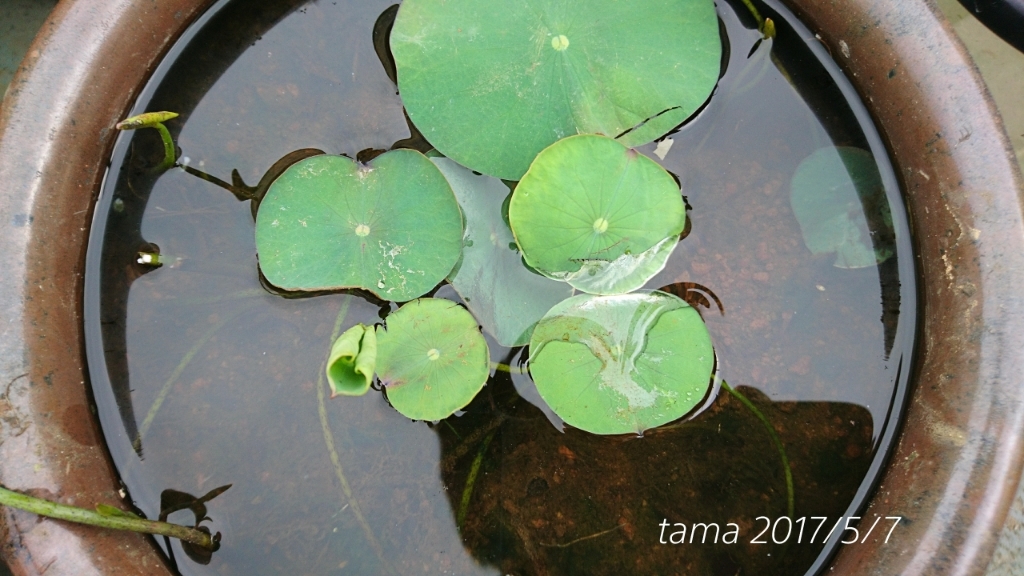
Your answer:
<point x="958" y="460"/>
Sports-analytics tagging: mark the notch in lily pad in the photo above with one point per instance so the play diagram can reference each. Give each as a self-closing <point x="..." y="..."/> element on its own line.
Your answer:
<point x="600" y="216"/>
<point x="621" y="364"/>
<point x="491" y="84"/>
<point x="431" y="358"/>
<point x="839" y="200"/>
<point x="351" y="363"/>
<point x="391" y="226"/>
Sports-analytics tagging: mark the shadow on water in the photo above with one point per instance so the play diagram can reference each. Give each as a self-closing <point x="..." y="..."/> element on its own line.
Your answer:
<point x="544" y="502"/>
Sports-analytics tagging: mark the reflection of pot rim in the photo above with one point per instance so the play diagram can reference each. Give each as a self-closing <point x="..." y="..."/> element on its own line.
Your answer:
<point x="955" y="469"/>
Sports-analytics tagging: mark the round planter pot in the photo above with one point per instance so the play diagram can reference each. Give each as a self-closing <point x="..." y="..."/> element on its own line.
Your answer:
<point x="957" y="462"/>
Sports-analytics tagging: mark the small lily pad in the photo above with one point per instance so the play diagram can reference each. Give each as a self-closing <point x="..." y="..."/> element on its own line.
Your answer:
<point x="351" y="362"/>
<point x="621" y="364"/>
<point x="491" y="84"/>
<point x="504" y="296"/>
<point x="391" y="226"/>
<point x="596" y="214"/>
<point x="431" y="358"/>
<point x="839" y="200"/>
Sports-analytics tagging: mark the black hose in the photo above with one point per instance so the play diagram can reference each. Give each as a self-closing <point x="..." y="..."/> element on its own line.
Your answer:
<point x="1004" y="17"/>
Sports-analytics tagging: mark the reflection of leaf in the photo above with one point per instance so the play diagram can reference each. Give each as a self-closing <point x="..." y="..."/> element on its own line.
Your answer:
<point x="172" y="500"/>
<point x="491" y="84"/>
<point x="431" y="358"/>
<point x="839" y="200"/>
<point x="505" y="297"/>
<point x="596" y="214"/>
<point x="351" y="363"/>
<point x="391" y="226"/>
<point x="619" y="364"/>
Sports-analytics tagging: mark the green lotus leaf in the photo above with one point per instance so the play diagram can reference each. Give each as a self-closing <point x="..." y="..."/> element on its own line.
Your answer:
<point x="391" y="226"/>
<point x="621" y="364"/>
<point x="491" y="84"/>
<point x="839" y="200"/>
<point x="351" y="362"/>
<point x="505" y="297"/>
<point x="431" y="358"/>
<point x="596" y="214"/>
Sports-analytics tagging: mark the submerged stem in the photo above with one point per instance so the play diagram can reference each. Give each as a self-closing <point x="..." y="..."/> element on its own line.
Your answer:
<point x="474" y="470"/>
<point x="83" y="516"/>
<point x="325" y="426"/>
<point x="185" y="361"/>
<point x="775" y="439"/>
<point x="584" y="538"/>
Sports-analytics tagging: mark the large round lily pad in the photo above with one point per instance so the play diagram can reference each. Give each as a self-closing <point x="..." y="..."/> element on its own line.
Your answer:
<point x="391" y="226"/>
<point x="491" y="84"/>
<point x="504" y="296"/>
<point x="596" y="214"/>
<point x="621" y="364"/>
<point x="431" y="358"/>
<point x="839" y="200"/>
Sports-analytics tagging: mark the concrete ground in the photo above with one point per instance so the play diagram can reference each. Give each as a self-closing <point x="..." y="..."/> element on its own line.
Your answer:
<point x="1001" y="66"/>
<point x="19" y="21"/>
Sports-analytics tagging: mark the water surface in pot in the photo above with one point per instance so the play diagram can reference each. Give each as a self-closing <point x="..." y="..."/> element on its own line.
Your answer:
<point x="203" y="377"/>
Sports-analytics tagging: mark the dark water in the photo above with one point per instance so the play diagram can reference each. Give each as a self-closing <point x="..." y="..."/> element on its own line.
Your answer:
<point x="204" y="378"/>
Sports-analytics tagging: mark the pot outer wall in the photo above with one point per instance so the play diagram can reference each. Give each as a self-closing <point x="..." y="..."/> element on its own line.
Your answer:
<point x="956" y="465"/>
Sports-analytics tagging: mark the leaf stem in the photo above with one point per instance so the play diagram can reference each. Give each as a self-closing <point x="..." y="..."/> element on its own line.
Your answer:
<point x="83" y="516"/>
<point x="775" y="439"/>
<point x="500" y="367"/>
<point x="170" y="154"/>
<point x="764" y="25"/>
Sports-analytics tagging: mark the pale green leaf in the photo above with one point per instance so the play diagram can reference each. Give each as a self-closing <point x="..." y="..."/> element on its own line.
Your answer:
<point x="352" y="360"/>
<point x="504" y="296"/>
